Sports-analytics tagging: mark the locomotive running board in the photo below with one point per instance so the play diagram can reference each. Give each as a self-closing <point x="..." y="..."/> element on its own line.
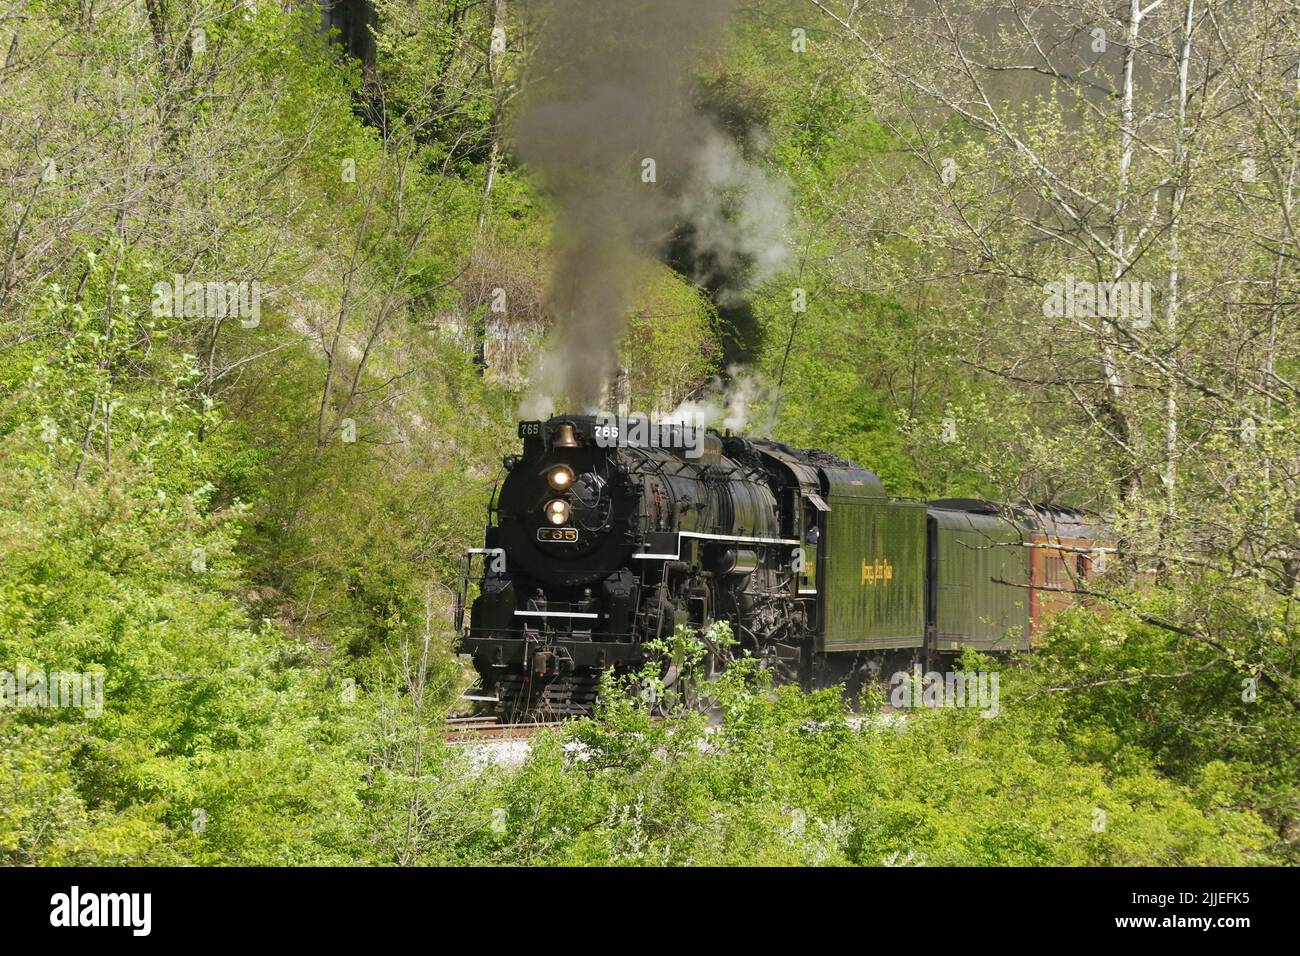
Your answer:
<point x="739" y="539"/>
<point x="587" y="614"/>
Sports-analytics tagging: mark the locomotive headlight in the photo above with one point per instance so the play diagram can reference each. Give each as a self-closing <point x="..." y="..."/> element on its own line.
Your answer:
<point x="560" y="477"/>
<point x="557" y="511"/>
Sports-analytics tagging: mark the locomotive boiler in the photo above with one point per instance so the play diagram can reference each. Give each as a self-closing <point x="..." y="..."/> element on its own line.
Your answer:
<point x="608" y="532"/>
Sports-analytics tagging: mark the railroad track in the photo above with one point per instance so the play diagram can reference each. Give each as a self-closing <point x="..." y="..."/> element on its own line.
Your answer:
<point x="462" y="728"/>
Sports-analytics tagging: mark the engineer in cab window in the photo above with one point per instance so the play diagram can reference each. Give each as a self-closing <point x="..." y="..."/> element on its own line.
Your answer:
<point x="811" y="535"/>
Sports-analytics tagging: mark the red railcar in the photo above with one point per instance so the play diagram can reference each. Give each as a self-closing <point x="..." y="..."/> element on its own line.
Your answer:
<point x="1067" y="549"/>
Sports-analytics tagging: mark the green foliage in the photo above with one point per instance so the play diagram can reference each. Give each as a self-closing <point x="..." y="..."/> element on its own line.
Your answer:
<point x="785" y="778"/>
<point x="266" y="601"/>
<point x="1138" y="699"/>
<point x="671" y="340"/>
<point x="199" y="702"/>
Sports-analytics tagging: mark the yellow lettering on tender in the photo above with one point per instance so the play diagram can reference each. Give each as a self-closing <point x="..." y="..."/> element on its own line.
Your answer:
<point x="877" y="571"/>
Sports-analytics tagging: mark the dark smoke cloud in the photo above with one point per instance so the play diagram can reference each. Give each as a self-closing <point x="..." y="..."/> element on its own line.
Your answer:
<point x="608" y="88"/>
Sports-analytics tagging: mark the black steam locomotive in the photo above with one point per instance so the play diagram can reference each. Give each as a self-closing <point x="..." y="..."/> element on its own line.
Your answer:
<point x="608" y="532"/>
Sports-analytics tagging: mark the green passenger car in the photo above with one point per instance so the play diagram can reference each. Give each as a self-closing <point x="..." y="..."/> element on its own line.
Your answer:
<point x="978" y="582"/>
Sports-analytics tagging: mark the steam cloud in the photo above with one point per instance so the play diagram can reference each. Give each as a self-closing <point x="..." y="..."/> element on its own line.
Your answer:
<point x="745" y="402"/>
<point x="609" y="88"/>
<point x="737" y="215"/>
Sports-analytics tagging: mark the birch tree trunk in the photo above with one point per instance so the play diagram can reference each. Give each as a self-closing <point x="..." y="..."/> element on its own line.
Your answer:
<point x="1180" y="176"/>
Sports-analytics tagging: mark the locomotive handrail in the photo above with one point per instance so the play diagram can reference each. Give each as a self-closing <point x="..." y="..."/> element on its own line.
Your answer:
<point x="738" y="538"/>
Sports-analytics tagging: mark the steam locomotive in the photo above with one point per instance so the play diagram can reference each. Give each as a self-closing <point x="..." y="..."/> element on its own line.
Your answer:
<point x="608" y="532"/>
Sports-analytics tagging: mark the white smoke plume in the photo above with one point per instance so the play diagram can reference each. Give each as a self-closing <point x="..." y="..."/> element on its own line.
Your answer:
<point x="738" y="215"/>
<point x="744" y="402"/>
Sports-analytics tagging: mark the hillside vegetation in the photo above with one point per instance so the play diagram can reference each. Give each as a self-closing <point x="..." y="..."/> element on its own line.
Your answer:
<point x="252" y="523"/>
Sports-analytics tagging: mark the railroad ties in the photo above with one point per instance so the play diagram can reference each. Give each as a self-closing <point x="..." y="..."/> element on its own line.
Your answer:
<point x="468" y="728"/>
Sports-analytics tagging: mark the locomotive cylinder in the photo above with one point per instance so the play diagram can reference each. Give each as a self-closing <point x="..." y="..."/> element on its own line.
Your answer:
<point x="738" y="562"/>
